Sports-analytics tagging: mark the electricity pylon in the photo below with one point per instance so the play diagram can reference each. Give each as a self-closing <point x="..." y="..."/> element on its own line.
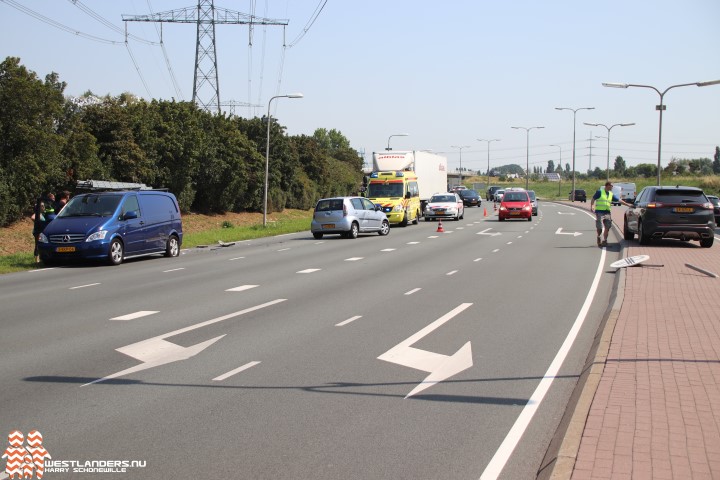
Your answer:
<point x="206" y="88"/>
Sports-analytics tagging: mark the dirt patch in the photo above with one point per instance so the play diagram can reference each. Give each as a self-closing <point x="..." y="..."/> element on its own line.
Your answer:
<point x="17" y="238"/>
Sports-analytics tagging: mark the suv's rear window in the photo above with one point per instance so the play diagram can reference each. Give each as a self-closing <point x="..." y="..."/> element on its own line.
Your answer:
<point x="679" y="196"/>
<point x="329" y="205"/>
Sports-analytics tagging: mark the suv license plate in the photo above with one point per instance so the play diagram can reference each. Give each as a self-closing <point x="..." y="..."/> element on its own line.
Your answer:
<point x="684" y="210"/>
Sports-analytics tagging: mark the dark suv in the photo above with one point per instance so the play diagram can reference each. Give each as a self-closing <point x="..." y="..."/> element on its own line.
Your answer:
<point x="580" y="196"/>
<point x="490" y="192"/>
<point x="670" y="212"/>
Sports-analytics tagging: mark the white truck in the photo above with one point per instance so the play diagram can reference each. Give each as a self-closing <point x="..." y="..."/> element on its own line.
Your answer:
<point x="626" y="191"/>
<point x="430" y="168"/>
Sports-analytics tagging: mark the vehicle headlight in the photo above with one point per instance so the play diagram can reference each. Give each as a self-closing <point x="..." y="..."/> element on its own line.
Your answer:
<point x="527" y="207"/>
<point x="97" y="236"/>
<point x="42" y="238"/>
<point x="503" y="208"/>
<point x="398" y="208"/>
<point x="452" y="209"/>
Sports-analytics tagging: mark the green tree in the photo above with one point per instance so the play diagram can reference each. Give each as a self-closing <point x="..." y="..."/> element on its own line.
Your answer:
<point x="716" y="161"/>
<point x="550" y="166"/>
<point x="619" y="166"/>
<point x="30" y="145"/>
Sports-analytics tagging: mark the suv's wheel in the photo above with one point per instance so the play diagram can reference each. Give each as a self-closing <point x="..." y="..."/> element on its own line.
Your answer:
<point x="172" y="249"/>
<point x="384" y="228"/>
<point x="627" y="233"/>
<point x="642" y="237"/>
<point x="354" y="230"/>
<point x="706" y="242"/>
<point x="115" y="256"/>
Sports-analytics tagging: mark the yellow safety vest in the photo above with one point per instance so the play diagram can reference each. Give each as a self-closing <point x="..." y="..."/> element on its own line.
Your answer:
<point x="603" y="203"/>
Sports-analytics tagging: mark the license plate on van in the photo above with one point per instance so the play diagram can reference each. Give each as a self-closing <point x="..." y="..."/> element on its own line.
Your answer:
<point x="65" y="249"/>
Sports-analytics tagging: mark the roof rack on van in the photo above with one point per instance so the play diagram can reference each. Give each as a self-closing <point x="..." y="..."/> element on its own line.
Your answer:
<point x="103" y="185"/>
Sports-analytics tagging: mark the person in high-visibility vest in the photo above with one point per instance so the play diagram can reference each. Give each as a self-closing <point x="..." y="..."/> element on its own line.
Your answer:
<point x="600" y="204"/>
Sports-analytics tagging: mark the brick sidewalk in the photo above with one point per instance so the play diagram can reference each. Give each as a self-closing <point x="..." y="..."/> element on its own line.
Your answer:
<point x="655" y="413"/>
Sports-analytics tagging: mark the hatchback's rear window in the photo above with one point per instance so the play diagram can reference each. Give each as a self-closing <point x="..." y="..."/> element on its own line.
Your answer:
<point x="679" y="196"/>
<point x="329" y="205"/>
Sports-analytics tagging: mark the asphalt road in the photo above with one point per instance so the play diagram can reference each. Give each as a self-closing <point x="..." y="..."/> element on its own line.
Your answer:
<point x="422" y="354"/>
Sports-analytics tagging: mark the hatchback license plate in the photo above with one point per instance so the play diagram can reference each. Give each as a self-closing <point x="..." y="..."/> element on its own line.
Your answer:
<point x="684" y="210"/>
<point x="65" y="249"/>
<point x="328" y="225"/>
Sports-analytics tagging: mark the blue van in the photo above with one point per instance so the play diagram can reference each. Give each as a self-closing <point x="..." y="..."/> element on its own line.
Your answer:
<point x="113" y="226"/>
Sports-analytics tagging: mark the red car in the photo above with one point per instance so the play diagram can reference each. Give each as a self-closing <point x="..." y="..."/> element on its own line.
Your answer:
<point x="515" y="204"/>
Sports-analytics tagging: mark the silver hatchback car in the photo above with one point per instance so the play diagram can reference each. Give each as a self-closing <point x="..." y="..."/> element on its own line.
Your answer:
<point x="348" y="216"/>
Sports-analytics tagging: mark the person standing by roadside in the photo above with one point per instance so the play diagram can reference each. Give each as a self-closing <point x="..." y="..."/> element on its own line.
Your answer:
<point x="600" y="204"/>
<point x="42" y="215"/>
<point x="62" y="199"/>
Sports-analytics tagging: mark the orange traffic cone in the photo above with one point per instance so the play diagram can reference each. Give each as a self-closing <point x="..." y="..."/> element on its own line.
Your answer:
<point x="484" y="212"/>
<point x="440" y="227"/>
<point x="495" y="206"/>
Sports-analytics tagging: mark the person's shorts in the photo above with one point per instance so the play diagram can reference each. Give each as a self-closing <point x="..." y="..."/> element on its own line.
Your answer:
<point x="602" y="217"/>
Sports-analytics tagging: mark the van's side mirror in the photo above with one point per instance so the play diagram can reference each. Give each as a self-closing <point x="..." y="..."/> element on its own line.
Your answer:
<point x="408" y="195"/>
<point x="130" y="215"/>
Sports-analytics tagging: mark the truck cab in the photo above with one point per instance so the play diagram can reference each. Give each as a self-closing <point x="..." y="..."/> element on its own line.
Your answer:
<point x="397" y="194"/>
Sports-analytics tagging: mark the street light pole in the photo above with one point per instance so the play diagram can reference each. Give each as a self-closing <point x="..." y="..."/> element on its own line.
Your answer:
<point x="660" y="107"/>
<point x="560" y="163"/>
<point x="574" y="110"/>
<point x="395" y="135"/>
<point x="461" y="149"/>
<point x="267" y="151"/>
<point x="488" y="144"/>
<point x="527" y="153"/>
<point x="607" y="168"/>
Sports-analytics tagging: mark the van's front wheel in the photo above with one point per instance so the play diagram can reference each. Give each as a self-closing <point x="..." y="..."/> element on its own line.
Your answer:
<point x="115" y="256"/>
<point x="172" y="249"/>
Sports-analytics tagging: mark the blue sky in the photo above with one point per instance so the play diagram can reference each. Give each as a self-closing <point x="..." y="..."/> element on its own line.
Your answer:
<point x="446" y="73"/>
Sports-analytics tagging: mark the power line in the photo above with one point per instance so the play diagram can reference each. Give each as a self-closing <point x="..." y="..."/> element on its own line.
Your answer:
<point x="108" y="23"/>
<point x="310" y="23"/>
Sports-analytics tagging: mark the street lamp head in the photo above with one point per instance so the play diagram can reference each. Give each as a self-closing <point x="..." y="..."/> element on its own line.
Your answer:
<point x="294" y="95"/>
<point x="626" y="124"/>
<point x="615" y="85"/>
<point x="592" y="124"/>
<point x="707" y="84"/>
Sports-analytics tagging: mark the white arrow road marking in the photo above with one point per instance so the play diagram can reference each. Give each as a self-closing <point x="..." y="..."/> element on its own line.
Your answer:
<point x="133" y="316"/>
<point x="441" y="367"/>
<point x="157" y="351"/>
<point x="484" y="232"/>
<point x="560" y="232"/>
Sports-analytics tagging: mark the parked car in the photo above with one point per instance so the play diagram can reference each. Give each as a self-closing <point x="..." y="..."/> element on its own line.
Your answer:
<point x="533" y="202"/>
<point x="497" y="196"/>
<point x="113" y="226"/>
<point x="515" y="204"/>
<point x="716" y="208"/>
<point x="678" y="212"/>
<point x="580" y="195"/>
<point x="348" y="217"/>
<point x="444" y="205"/>
<point x="490" y="192"/>
<point x="470" y="197"/>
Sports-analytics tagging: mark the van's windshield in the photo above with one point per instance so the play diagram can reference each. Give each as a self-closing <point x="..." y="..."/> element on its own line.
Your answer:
<point x="382" y="190"/>
<point x="91" y="206"/>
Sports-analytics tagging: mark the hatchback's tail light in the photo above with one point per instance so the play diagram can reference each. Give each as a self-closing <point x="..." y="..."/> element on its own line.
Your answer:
<point x="344" y="210"/>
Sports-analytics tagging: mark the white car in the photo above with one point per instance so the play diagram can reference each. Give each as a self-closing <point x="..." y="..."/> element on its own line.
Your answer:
<point x="444" y="205"/>
<point x="498" y="195"/>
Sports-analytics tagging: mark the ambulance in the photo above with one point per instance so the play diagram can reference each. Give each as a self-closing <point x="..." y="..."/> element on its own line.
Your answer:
<point x="397" y="193"/>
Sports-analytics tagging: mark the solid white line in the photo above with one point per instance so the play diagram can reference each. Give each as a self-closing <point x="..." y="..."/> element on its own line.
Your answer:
<point x="309" y="270"/>
<point x="499" y="460"/>
<point x="83" y="286"/>
<point x="413" y="291"/>
<point x="136" y="315"/>
<point x="40" y="270"/>
<point x="241" y="288"/>
<point x="174" y="270"/>
<point x="351" y="319"/>
<point x="451" y="273"/>
<point x="233" y="372"/>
